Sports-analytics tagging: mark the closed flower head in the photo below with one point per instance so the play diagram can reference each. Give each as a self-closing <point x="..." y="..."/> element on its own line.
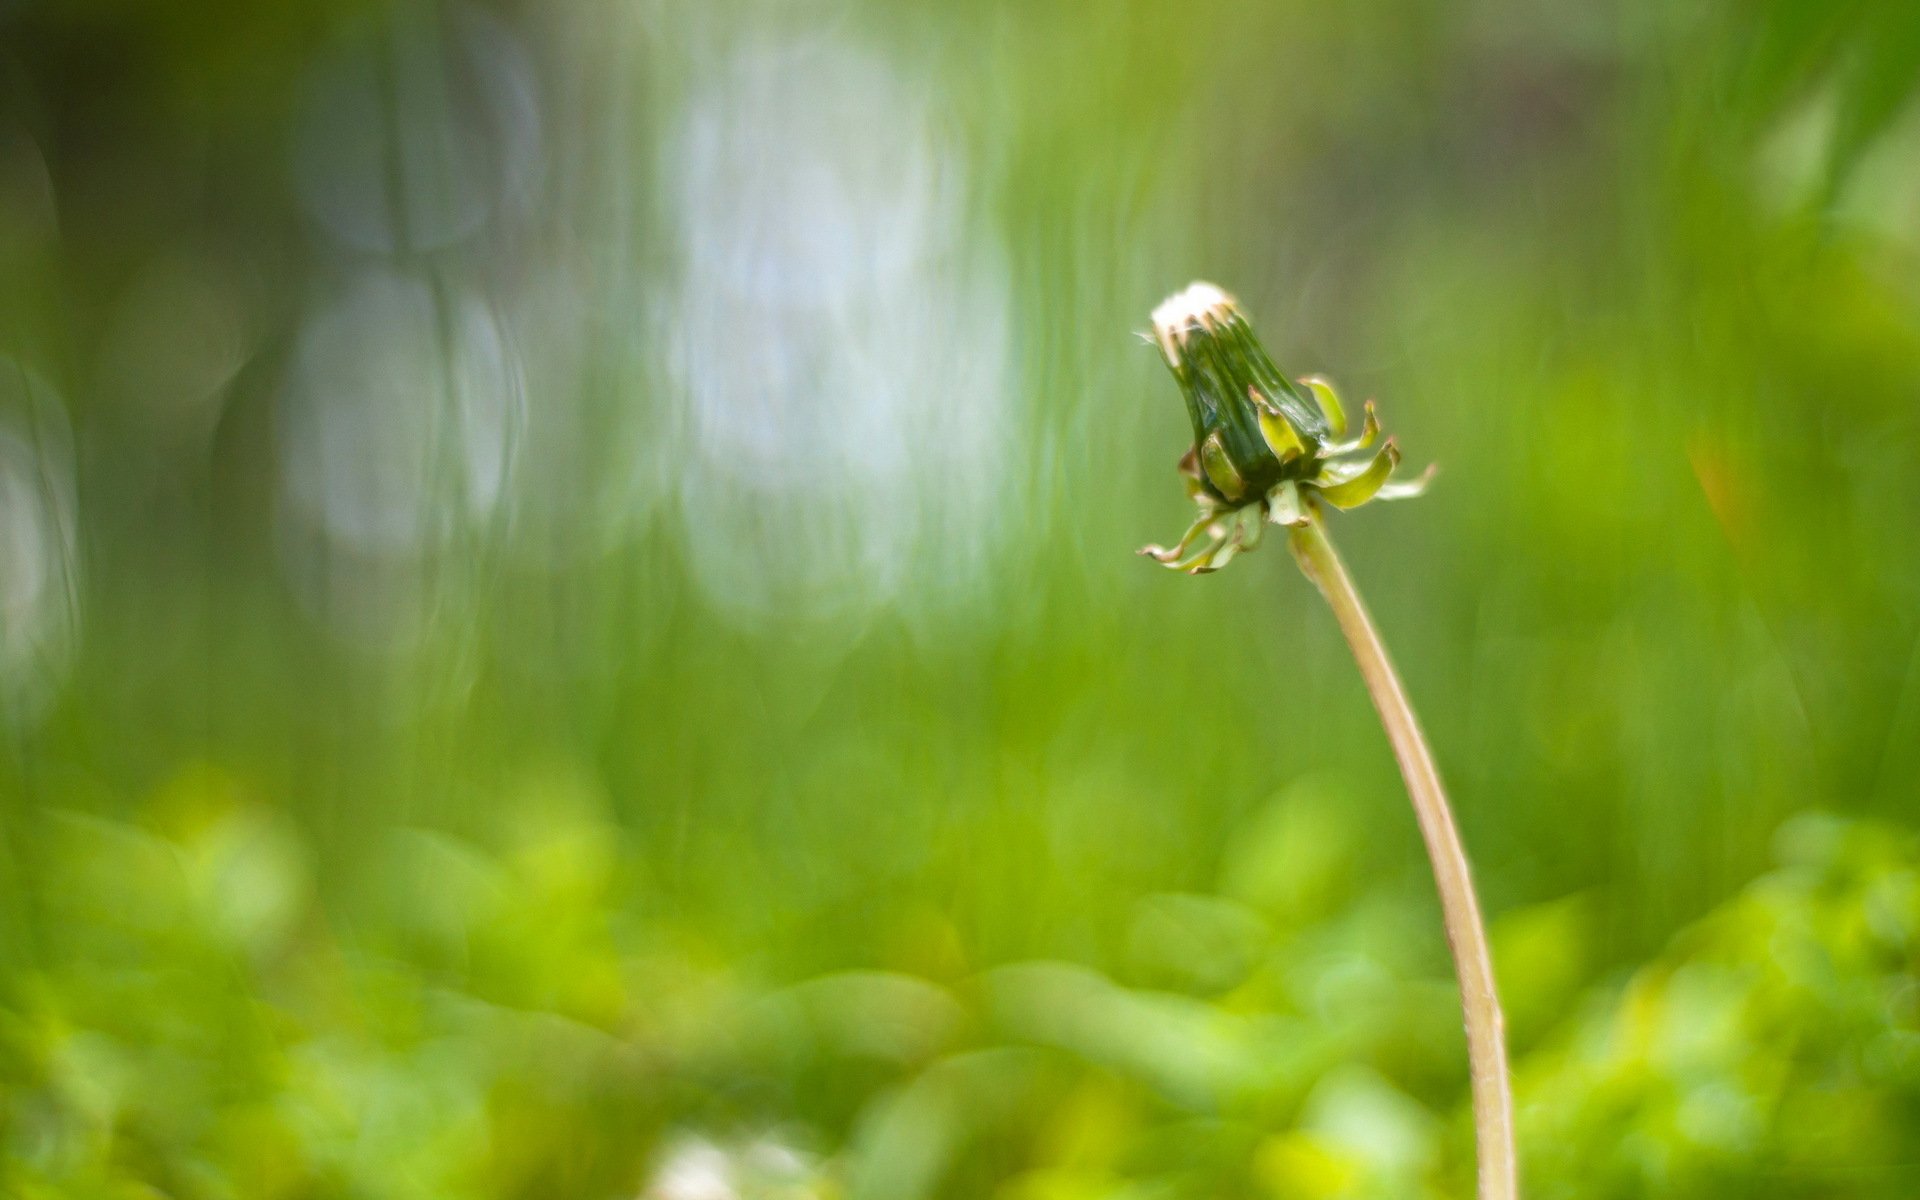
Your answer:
<point x="1265" y="447"/>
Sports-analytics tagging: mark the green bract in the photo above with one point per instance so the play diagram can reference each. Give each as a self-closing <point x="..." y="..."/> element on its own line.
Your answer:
<point x="1265" y="448"/>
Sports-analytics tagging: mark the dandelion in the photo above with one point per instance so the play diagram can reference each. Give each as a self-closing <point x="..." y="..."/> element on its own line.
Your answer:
<point x="1265" y="448"/>
<point x="1270" y="450"/>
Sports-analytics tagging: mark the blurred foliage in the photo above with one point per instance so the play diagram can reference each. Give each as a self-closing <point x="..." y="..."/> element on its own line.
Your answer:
<point x="1771" y="1051"/>
<point x="489" y="1027"/>
<point x="568" y="625"/>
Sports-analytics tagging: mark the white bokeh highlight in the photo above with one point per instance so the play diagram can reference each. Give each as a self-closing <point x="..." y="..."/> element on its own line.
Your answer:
<point x="399" y="429"/>
<point x="39" y="575"/>
<point x="843" y="364"/>
<point x="401" y="415"/>
<point x="696" y="1168"/>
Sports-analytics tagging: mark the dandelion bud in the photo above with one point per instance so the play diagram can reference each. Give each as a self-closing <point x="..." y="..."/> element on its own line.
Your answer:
<point x="1266" y="448"/>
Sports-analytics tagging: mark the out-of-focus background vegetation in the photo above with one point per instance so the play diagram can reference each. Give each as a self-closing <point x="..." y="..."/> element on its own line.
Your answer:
<point x="568" y="625"/>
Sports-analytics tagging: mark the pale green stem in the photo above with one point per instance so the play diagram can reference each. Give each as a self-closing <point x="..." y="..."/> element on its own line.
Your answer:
<point x="1466" y="934"/>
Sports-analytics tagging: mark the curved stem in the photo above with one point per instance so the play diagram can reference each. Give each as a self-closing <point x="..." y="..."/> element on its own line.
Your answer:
<point x="1466" y="933"/>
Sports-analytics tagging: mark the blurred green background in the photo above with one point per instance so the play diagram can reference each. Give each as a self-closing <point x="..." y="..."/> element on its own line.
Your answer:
<point x="568" y="625"/>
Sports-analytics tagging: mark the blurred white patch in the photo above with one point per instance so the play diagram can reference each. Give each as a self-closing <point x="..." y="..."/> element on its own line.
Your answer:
<point x="693" y="1168"/>
<point x="399" y="426"/>
<point x="419" y="135"/>
<point x="402" y="414"/>
<point x="845" y="368"/>
<point x="39" y="607"/>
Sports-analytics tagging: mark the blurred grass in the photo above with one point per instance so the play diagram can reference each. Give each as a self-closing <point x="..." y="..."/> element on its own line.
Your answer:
<point x="913" y="830"/>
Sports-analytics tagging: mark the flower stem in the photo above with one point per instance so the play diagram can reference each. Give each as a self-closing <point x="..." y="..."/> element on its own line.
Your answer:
<point x="1466" y="934"/>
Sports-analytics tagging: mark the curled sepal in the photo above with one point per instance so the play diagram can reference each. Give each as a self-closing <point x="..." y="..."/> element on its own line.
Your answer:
<point x="1220" y="469"/>
<point x="1227" y="534"/>
<point x="1346" y="487"/>
<point x="1280" y="436"/>
<point x="1253" y="526"/>
<point x="1328" y="397"/>
<point x="1175" y="556"/>
<point x="1369" y="430"/>
<point x="1285" y="507"/>
<point x="1407" y="489"/>
<point x="1243" y="531"/>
